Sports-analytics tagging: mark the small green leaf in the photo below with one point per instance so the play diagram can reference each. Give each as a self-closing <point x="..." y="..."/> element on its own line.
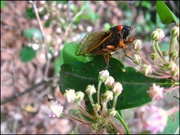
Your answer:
<point x="30" y="13"/>
<point x="27" y="54"/>
<point x="172" y="126"/>
<point x="48" y="23"/>
<point x="165" y="13"/>
<point x="135" y="84"/>
<point x="33" y="33"/>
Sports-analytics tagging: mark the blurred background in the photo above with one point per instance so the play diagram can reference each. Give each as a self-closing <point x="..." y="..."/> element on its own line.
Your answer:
<point x="24" y="62"/>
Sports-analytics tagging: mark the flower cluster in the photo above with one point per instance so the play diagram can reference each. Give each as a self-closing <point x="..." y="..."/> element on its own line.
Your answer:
<point x="152" y="118"/>
<point x="165" y="63"/>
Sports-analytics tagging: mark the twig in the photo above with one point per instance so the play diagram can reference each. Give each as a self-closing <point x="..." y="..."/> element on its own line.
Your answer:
<point x="24" y="92"/>
<point x="44" y="39"/>
<point x="77" y="15"/>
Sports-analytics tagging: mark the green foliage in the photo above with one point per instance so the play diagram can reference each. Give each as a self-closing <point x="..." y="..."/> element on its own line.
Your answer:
<point x="73" y="73"/>
<point x="172" y="126"/>
<point x="68" y="55"/>
<point x="30" y="13"/>
<point x="165" y="14"/>
<point x="3" y="5"/>
<point x="27" y="54"/>
<point x="33" y="33"/>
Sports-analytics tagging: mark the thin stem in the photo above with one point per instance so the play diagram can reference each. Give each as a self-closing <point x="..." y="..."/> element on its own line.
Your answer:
<point x="98" y="93"/>
<point x="154" y="48"/>
<point x="44" y="39"/>
<point x="123" y="123"/>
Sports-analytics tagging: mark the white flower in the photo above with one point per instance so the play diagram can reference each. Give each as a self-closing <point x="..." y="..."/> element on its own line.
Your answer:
<point x="109" y="81"/>
<point x="146" y="69"/>
<point x="155" y="92"/>
<point x="136" y="59"/>
<point x="112" y="112"/>
<point x="117" y="88"/>
<point x="108" y="95"/>
<point x="137" y="45"/>
<point x="56" y="109"/>
<point x="70" y="95"/>
<point x="79" y="96"/>
<point x="103" y="75"/>
<point x="90" y="90"/>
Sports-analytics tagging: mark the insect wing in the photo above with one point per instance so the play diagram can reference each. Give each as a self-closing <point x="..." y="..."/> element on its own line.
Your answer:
<point x="91" y="41"/>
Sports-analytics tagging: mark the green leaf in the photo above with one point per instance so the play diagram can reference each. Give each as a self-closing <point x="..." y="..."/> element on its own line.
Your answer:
<point x="165" y="13"/>
<point x="33" y="33"/>
<point x="68" y="56"/>
<point x="172" y="126"/>
<point x="48" y="23"/>
<point x="3" y="5"/>
<point x="77" y="75"/>
<point x="27" y="54"/>
<point x="30" y="13"/>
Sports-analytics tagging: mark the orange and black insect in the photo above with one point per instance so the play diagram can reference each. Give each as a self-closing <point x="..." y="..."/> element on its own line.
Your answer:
<point x="106" y="42"/>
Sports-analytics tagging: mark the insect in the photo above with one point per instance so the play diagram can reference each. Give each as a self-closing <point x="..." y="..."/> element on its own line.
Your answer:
<point x="106" y="43"/>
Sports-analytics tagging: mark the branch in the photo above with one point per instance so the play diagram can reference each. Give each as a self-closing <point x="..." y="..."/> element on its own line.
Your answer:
<point x="24" y="92"/>
<point x="44" y="39"/>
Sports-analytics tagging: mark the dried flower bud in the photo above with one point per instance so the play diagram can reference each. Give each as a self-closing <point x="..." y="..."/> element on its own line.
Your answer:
<point x="96" y="107"/>
<point x="109" y="81"/>
<point x="117" y="88"/>
<point x="112" y="112"/>
<point x="103" y="75"/>
<point x="155" y="92"/>
<point x="146" y="69"/>
<point x="79" y="96"/>
<point x="90" y="90"/>
<point x="56" y="109"/>
<point x="175" y="31"/>
<point x="137" y="45"/>
<point x="70" y="95"/>
<point x="137" y="59"/>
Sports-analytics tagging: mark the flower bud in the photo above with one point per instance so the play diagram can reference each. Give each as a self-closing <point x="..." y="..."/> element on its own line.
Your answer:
<point x="153" y="56"/>
<point x="174" y="54"/>
<point x="96" y="107"/>
<point x="175" y="72"/>
<point x="175" y="31"/>
<point x="137" y="45"/>
<point x="90" y="90"/>
<point x="112" y="112"/>
<point x="165" y="53"/>
<point x="157" y="35"/>
<point x="109" y="81"/>
<point x="137" y="59"/>
<point x="146" y="69"/>
<point x="108" y="95"/>
<point x="70" y="95"/>
<point x="117" y="88"/>
<point x="79" y="96"/>
<point x="103" y="75"/>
